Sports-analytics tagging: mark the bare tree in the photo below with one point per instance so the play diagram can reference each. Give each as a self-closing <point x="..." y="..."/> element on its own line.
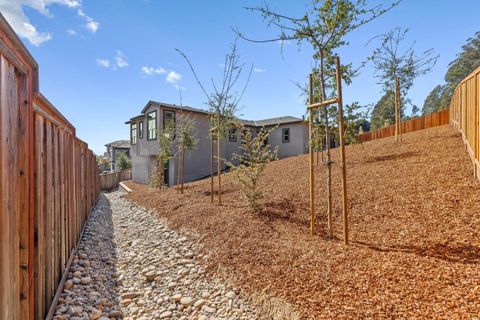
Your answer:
<point x="397" y="69"/>
<point x="185" y="138"/>
<point x="224" y="98"/>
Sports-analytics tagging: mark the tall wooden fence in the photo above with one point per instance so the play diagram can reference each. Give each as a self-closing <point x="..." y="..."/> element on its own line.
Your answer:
<point x="110" y="181"/>
<point x="49" y="182"/>
<point x="465" y="114"/>
<point x="431" y="120"/>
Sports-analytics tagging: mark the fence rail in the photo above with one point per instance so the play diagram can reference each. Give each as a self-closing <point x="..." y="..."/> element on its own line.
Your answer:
<point x="464" y="115"/>
<point x="49" y="182"/>
<point x="431" y="120"/>
<point x="110" y="181"/>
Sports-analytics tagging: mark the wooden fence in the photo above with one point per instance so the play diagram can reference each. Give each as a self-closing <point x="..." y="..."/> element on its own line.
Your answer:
<point x="49" y="182"/>
<point x="431" y="120"/>
<point x="465" y="114"/>
<point x="110" y="181"/>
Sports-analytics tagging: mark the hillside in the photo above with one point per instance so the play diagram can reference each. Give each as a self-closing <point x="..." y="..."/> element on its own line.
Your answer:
<point x="415" y="241"/>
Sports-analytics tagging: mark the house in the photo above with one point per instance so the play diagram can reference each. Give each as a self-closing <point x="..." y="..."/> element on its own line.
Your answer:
<point x="291" y="136"/>
<point x="113" y="151"/>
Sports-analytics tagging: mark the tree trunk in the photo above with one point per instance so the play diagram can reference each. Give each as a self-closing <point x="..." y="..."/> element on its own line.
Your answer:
<point x="178" y="171"/>
<point x="219" y="162"/>
<point x="183" y="170"/>
<point x="160" y="168"/>
<point x="212" y="165"/>
<point x="329" y="157"/>
<point x="397" y="110"/>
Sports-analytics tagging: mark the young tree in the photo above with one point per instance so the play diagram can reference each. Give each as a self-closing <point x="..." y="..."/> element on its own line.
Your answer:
<point x="186" y="142"/>
<point x="256" y="153"/>
<point x="123" y="163"/>
<point x="324" y="26"/>
<point x="224" y="99"/>
<point x="397" y="69"/>
<point x="166" y="139"/>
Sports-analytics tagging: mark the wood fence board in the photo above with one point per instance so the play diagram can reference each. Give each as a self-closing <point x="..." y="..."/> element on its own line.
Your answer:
<point x="427" y="121"/>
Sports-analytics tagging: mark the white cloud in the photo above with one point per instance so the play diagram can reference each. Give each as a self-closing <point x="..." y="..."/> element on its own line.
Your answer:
<point x="173" y="77"/>
<point x="13" y="11"/>
<point x="258" y="70"/>
<point x="90" y="24"/>
<point x="71" y="32"/>
<point x="150" y="71"/>
<point x="121" y="60"/>
<point x="103" y="63"/>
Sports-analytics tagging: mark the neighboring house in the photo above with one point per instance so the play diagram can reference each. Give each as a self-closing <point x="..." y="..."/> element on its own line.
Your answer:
<point x="291" y="136"/>
<point x="114" y="149"/>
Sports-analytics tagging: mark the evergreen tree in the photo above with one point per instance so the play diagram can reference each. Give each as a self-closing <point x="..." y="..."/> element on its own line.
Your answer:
<point x="123" y="163"/>
<point x="465" y="63"/>
<point x="383" y="113"/>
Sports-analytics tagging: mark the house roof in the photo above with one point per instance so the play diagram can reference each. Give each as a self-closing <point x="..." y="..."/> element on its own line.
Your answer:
<point x="173" y="106"/>
<point x="119" y="144"/>
<point x="271" y="121"/>
<point x="253" y="123"/>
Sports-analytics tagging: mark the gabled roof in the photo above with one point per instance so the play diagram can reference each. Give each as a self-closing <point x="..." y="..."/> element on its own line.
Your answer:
<point x="252" y="123"/>
<point x="173" y="106"/>
<point x="272" y="121"/>
<point x="119" y="144"/>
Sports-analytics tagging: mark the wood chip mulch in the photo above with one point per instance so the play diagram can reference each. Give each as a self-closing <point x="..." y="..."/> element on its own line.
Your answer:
<point x="415" y="231"/>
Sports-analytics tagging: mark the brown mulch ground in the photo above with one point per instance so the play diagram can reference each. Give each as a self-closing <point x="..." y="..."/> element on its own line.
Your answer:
<point x="415" y="232"/>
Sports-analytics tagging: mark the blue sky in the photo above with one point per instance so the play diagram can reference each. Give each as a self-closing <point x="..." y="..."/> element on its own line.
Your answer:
<point x="91" y="54"/>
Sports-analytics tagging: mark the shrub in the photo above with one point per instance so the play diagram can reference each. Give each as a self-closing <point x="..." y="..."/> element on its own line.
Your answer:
<point x="256" y="153"/>
<point x="123" y="163"/>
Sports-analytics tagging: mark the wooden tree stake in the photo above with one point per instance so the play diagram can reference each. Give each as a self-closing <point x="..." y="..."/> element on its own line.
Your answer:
<point x="342" y="150"/>
<point x="312" y="177"/>
<point x="212" y="165"/>
<point x="178" y="171"/>
<point x="183" y="171"/>
<point x="312" y="106"/>
<point x="219" y="163"/>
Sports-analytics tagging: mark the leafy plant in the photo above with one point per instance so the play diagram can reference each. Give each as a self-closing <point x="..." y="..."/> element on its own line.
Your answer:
<point x="123" y="163"/>
<point x="256" y="153"/>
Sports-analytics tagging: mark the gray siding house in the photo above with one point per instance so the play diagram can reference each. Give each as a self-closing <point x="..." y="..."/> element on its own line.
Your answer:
<point x="114" y="149"/>
<point x="291" y="137"/>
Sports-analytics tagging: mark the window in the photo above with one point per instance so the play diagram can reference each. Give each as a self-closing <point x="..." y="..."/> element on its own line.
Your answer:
<point x="286" y="135"/>
<point x="152" y="125"/>
<point x="133" y="133"/>
<point x="232" y="135"/>
<point x="167" y="117"/>
<point x="140" y="129"/>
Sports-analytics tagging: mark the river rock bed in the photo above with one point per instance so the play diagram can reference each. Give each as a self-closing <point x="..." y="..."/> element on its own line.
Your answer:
<point x="130" y="265"/>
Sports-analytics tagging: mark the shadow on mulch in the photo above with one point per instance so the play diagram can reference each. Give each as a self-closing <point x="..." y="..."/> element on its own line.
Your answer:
<point x="393" y="157"/>
<point x="215" y="192"/>
<point x="465" y="254"/>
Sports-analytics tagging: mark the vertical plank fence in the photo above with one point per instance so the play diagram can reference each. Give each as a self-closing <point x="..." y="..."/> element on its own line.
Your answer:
<point x="465" y="115"/>
<point x="49" y="181"/>
<point x="110" y="181"/>
<point x="431" y="120"/>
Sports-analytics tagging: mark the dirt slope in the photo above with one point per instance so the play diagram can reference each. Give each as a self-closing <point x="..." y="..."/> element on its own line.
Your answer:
<point x="415" y="232"/>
